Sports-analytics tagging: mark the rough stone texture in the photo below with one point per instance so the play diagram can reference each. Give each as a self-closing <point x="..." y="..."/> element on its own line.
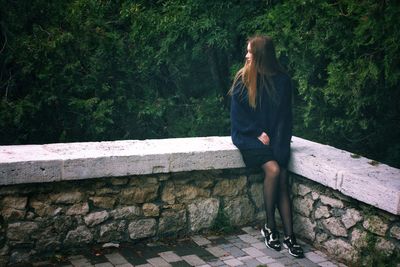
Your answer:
<point x="95" y="218"/>
<point x="257" y="194"/>
<point x="130" y="212"/>
<point x="41" y="207"/>
<point x="341" y="249"/>
<point x="303" y="205"/>
<point x="202" y="213"/>
<point x="119" y="181"/>
<point x="112" y="231"/>
<point x="172" y="221"/>
<point x="81" y="235"/>
<point x="304" y="227"/>
<point x="103" y="202"/>
<point x="66" y="197"/>
<point x="335" y="227"/>
<point x="331" y="201"/>
<point x="321" y="237"/>
<point x="358" y="238"/>
<point x="351" y="217"/>
<point x="187" y="193"/>
<point x="239" y="210"/>
<point x="303" y="189"/>
<point x="140" y="194"/>
<point x="375" y="225"/>
<point x="21" y="231"/>
<point x="142" y="228"/>
<point x="230" y="187"/>
<point x="78" y="209"/>
<point x="18" y="203"/>
<point x="150" y="210"/>
<point x="168" y="193"/>
<point x="395" y="232"/>
<point x="322" y="212"/>
<point x="387" y="247"/>
<point x="314" y="195"/>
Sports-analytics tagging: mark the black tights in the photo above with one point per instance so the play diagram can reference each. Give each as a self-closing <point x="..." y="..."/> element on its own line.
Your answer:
<point x="276" y="193"/>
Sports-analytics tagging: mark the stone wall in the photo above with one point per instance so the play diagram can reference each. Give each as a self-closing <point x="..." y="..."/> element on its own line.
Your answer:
<point x="340" y="225"/>
<point x="54" y="216"/>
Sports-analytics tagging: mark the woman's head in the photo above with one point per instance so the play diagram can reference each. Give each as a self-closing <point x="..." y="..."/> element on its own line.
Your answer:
<point x="260" y="61"/>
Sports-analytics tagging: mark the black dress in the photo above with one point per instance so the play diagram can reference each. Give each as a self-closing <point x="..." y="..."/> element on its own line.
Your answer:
<point x="272" y="115"/>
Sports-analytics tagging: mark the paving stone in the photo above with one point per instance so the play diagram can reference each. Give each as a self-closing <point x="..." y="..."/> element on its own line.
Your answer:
<point x="235" y="252"/>
<point x="204" y="265"/>
<point x="144" y="265"/>
<point x="306" y="262"/>
<point x="233" y="262"/>
<point x="287" y="261"/>
<point x="226" y="258"/>
<point x="241" y="244"/>
<point x="80" y="262"/>
<point x="244" y="258"/>
<point x="217" y="251"/>
<point x="124" y="265"/>
<point x="181" y="263"/>
<point x="76" y="257"/>
<point x="272" y="253"/>
<point x="216" y="263"/>
<point x="251" y="230"/>
<point x="252" y="251"/>
<point x="224" y="246"/>
<point x="158" y="262"/>
<point x="314" y="257"/>
<point x="327" y="264"/>
<point x="259" y="245"/>
<point x="170" y="256"/>
<point x="248" y="238"/>
<point x="116" y="258"/>
<point x="201" y="241"/>
<point x="251" y="263"/>
<point x="276" y="264"/>
<point x="193" y="260"/>
<point x="266" y="260"/>
<point x="104" y="264"/>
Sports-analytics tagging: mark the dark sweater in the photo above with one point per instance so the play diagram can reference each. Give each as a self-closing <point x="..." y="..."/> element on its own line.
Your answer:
<point x="273" y="118"/>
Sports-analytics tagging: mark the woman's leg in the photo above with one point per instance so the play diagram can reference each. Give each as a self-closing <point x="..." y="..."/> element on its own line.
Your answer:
<point x="284" y="203"/>
<point x="271" y="186"/>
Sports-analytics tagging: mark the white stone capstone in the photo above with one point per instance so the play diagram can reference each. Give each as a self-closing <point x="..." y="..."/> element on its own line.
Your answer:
<point x="378" y="185"/>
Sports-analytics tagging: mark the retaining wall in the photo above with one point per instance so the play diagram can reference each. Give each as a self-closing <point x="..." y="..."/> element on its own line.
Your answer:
<point x="57" y="196"/>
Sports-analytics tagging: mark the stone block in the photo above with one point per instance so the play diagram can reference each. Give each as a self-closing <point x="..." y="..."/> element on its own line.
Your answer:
<point x="150" y="210"/>
<point x="130" y="212"/>
<point x="96" y="218"/>
<point x="140" y="194"/>
<point x="375" y="225"/>
<point x="351" y="217"/>
<point x="358" y="238"/>
<point x="341" y="249"/>
<point x="21" y="231"/>
<point x="81" y="235"/>
<point x="303" y="226"/>
<point x="331" y="201"/>
<point x="142" y="228"/>
<point x="71" y="197"/>
<point x="304" y="206"/>
<point x="112" y="231"/>
<point x="257" y="195"/>
<point x="103" y="202"/>
<point x="172" y="221"/>
<point x="239" y="210"/>
<point x="230" y="187"/>
<point x="322" y="212"/>
<point x="202" y="213"/>
<point x="78" y="209"/>
<point x="395" y="232"/>
<point x="335" y="227"/>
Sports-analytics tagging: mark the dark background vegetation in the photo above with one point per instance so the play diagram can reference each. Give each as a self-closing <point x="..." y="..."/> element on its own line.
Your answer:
<point x="88" y="70"/>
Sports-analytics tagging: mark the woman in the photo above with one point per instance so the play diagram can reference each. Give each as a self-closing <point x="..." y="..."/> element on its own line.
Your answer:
<point x="261" y="127"/>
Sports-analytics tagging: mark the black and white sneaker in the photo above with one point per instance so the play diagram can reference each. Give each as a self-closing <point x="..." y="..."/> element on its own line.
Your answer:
<point x="271" y="238"/>
<point x="295" y="250"/>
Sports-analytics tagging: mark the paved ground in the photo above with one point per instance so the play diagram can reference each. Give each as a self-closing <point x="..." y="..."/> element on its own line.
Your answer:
<point x="244" y="248"/>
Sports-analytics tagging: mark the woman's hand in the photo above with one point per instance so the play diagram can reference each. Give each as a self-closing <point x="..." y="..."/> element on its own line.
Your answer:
<point x="264" y="138"/>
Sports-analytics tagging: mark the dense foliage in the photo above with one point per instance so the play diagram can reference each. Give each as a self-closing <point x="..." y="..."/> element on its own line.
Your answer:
<point x="103" y="70"/>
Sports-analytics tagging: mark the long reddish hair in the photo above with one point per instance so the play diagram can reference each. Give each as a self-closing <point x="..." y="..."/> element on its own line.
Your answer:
<point x="261" y="68"/>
